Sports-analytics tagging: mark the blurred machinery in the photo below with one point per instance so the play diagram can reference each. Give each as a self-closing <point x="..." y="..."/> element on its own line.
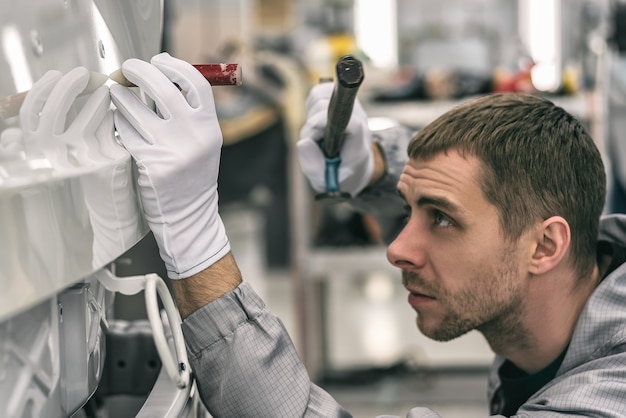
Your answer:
<point x="62" y="350"/>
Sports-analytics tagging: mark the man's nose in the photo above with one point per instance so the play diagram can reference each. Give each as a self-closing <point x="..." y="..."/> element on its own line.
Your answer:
<point x="407" y="251"/>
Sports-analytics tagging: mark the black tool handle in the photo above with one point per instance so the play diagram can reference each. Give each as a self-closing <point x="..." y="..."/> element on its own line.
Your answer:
<point x="349" y="78"/>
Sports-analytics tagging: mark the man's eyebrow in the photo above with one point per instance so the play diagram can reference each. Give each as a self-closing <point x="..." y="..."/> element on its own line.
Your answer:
<point x="438" y="202"/>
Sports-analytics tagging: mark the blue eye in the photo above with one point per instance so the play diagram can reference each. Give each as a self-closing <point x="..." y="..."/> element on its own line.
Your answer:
<point x="442" y="220"/>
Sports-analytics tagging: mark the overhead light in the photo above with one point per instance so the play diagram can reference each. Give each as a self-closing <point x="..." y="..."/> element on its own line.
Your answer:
<point x="540" y="31"/>
<point x="376" y="31"/>
<point x="15" y="56"/>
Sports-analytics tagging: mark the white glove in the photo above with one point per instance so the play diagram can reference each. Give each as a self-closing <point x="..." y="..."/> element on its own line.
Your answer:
<point x="110" y="198"/>
<point x="357" y="159"/>
<point x="177" y="151"/>
<point x="11" y="144"/>
<point x="44" y="116"/>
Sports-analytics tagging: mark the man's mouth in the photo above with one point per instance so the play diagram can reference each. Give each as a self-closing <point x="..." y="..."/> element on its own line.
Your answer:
<point x="417" y="299"/>
<point x="419" y="295"/>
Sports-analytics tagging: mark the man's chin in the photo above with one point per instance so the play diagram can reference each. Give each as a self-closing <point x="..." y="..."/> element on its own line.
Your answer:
<point x="441" y="333"/>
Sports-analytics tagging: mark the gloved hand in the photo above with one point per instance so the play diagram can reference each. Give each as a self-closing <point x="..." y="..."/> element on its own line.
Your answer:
<point x="60" y="140"/>
<point x="177" y="151"/>
<point x="11" y="143"/>
<point x="357" y="160"/>
<point x="110" y="198"/>
<point x="44" y="115"/>
<point x="49" y="142"/>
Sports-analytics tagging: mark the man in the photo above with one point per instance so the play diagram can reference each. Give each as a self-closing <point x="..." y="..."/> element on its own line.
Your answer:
<point x="503" y="197"/>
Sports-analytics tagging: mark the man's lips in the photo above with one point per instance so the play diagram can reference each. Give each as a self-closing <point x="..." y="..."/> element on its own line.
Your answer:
<point x="417" y="299"/>
<point x="419" y="294"/>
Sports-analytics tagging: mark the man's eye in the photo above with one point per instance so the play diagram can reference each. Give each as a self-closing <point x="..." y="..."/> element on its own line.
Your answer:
<point x="442" y="220"/>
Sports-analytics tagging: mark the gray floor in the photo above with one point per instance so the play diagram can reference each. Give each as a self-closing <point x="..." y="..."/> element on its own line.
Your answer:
<point x="451" y="395"/>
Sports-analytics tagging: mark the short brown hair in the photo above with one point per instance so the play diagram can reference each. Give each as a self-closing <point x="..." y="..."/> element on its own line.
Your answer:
<point x="538" y="161"/>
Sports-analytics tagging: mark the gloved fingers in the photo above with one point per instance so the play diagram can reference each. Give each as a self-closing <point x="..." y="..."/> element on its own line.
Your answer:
<point x="314" y="127"/>
<point x="128" y="135"/>
<point x="155" y="84"/>
<point x="356" y="135"/>
<point x="135" y="112"/>
<point x="358" y="111"/>
<point x="36" y="98"/>
<point x="321" y="91"/>
<point x="107" y="144"/>
<point x="92" y="114"/>
<point x="61" y="98"/>
<point x="320" y="106"/>
<point x="198" y="90"/>
<point x="11" y="143"/>
<point x="311" y="162"/>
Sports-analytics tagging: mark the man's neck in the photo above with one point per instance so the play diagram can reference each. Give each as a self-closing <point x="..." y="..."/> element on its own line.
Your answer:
<point x="546" y="325"/>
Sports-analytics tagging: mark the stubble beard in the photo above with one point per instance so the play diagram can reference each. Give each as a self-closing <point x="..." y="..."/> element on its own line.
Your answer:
<point x="493" y="306"/>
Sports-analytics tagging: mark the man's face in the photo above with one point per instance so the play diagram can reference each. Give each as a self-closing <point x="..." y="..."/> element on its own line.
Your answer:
<point x="460" y="271"/>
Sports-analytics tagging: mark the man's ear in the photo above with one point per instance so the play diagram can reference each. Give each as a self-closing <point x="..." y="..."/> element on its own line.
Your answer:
<point x="552" y="242"/>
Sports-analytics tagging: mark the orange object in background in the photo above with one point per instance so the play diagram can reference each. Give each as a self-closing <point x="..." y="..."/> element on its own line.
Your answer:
<point x="519" y="82"/>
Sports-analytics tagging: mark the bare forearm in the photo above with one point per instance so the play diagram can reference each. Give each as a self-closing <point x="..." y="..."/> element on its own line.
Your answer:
<point x="210" y="284"/>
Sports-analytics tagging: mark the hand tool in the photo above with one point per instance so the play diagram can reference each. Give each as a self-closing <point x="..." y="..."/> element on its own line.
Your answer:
<point x="216" y="74"/>
<point x="350" y="75"/>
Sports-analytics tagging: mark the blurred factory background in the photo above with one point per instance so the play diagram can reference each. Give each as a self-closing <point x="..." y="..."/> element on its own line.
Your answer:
<point x="324" y="271"/>
<point x="323" y="268"/>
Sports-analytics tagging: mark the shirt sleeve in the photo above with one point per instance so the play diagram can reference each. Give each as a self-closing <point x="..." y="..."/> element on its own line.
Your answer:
<point x="245" y="364"/>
